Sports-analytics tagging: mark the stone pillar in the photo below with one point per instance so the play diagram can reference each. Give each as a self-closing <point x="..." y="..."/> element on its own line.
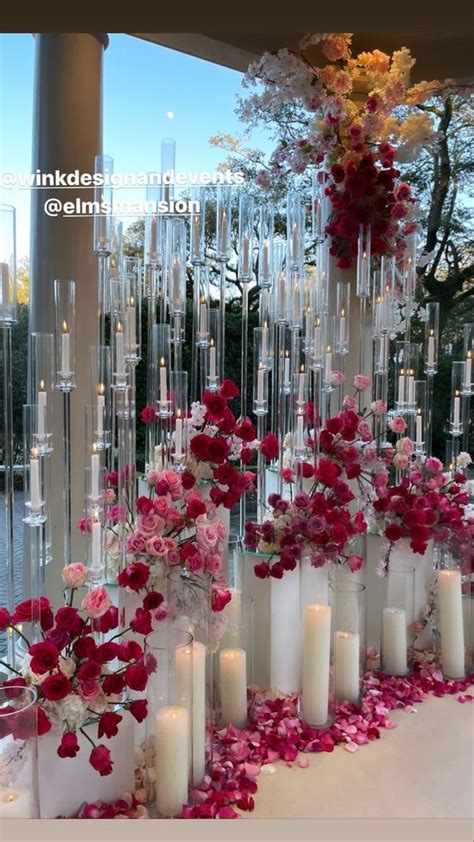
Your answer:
<point x="67" y="134"/>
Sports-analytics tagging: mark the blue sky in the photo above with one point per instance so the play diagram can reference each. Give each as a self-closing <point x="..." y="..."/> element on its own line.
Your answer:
<point x="142" y="82"/>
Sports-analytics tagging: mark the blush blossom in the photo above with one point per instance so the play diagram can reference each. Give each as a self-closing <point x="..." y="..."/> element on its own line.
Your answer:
<point x="96" y="603"/>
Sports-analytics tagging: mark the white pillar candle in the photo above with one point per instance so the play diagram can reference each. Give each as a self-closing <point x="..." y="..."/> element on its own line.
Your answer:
<point x="468" y="372"/>
<point x="163" y="382"/>
<point x="285" y="632"/>
<point x="100" y="412"/>
<point x="342" y="328"/>
<point x="131" y="326"/>
<point x="35" y="495"/>
<point x="346" y="666"/>
<point x="317" y="340"/>
<point x="65" y="351"/>
<point x="419" y="429"/>
<point x="16" y="803"/>
<point x="198" y="704"/>
<point x="456" y="410"/>
<point x="316" y="648"/>
<point x="96" y="545"/>
<point x="233" y="686"/>
<point x="212" y="362"/>
<point x="394" y="641"/>
<point x="95" y="466"/>
<point x="451" y="623"/>
<point x="328" y="365"/>
<point x="203" y="317"/>
<point x="178" y="445"/>
<point x="431" y="349"/>
<point x="42" y="402"/>
<point x="119" y="351"/>
<point x="171" y="760"/>
<point x="260" y="385"/>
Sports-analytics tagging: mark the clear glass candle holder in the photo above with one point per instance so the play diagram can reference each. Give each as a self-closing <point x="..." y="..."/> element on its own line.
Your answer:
<point x="162" y="368"/>
<point x="18" y="753"/>
<point x="348" y="641"/>
<point x="132" y="283"/>
<point x="8" y="299"/>
<point x="189" y="610"/>
<point x="234" y="661"/>
<point x="398" y="614"/>
<point x="33" y="489"/>
<point x="169" y="722"/>
<point x="42" y="384"/>
<point x="38" y="420"/>
<point x="65" y="310"/>
<point x="103" y="168"/>
<point x="453" y="562"/>
<point x="313" y="698"/>
<point x="179" y="399"/>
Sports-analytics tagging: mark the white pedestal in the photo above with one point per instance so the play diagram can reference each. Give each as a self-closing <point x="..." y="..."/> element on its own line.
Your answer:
<point x="65" y="783"/>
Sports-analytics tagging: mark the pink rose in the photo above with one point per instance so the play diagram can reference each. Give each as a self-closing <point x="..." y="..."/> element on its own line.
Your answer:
<point x="89" y="690"/>
<point x="75" y="575"/>
<point x="195" y="563"/>
<point x="152" y="477"/>
<point x="162" y="612"/>
<point x="364" y="431"/>
<point x="400" y="461"/>
<point x="416" y="477"/>
<point x="156" y="546"/>
<point x="355" y="562"/>
<point x="173" y="517"/>
<point x="214" y="563"/>
<point x="161" y="506"/>
<point x="378" y="407"/>
<point x="151" y="523"/>
<point x="362" y="382"/>
<point x="349" y="403"/>
<point x="207" y="535"/>
<point x="171" y="545"/>
<point x="173" y="481"/>
<point x="108" y="496"/>
<point x="337" y="378"/>
<point x="433" y="465"/>
<point x="173" y="558"/>
<point x="137" y="543"/>
<point x="96" y="603"/>
<point x="397" y="424"/>
<point x="405" y="446"/>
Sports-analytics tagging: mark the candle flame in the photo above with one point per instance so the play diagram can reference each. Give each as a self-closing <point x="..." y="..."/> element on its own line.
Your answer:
<point x="41" y="385"/>
<point x="162" y="361"/>
<point x="34" y="452"/>
<point x="119" y="327"/>
<point x="343" y="313"/>
<point x="457" y="393"/>
<point x="203" y="300"/>
<point x="100" y="389"/>
<point x="469" y="355"/>
<point x="212" y="343"/>
<point x="178" y="413"/>
<point x="131" y="301"/>
<point x="65" y="329"/>
<point x="302" y="369"/>
<point x="94" y="447"/>
<point x="418" y="411"/>
<point x="431" y="332"/>
<point x="328" y="349"/>
<point x="10" y="796"/>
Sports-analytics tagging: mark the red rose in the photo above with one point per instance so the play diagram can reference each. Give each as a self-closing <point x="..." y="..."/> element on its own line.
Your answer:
<point x="89" y="671"/>
<point x="307" y="470"/>
<point x="230" y="499"/>
<point x="153" y="600"/>
<point x="227" y="423"/>
<point x="228" y="389"/>
<point x="141" y="622"/>
<point x="56" y="687"/>
<point x="108" y="621"/>
<point x="277" y="570"/>
<point x="130" y="651"/>
<point x="195" y="506"/>
<point x="100" y="759"/>
<point x="393" y="532"/>
<point x="188" y="480"/>
<point x="107" y="652"/>
<point x="136" y="677"/>
<point x="220" y="598"/>
<point x="199" y="446"/>
<point x="262" y="570"/>
<point x="138" y="709"/>
<point x="84" y="647"/>
<point x="69" y="745"/>
<point x="215" y="404"/>
<point x="270" y="446"/>
<point x="23" y="724"/>
<point x="5" y="619"/>
<point x="144" y="505"/>
<point x="338" y="173"/>
<point x="43" y="724"/>
<point x="216" y="495"/>
<point x="327" y="472"/>
<point x="31" y="609"/>
<point x="148" y="415"/>
<point x="108" y="724"/>
<point x="226" y="474"/>
<point x="245" y="430"/>
<point x="218" y="451"/>
<point x="44" y="657"/>
<point x="13" y="687"/>
<point x="135" y="576"/>
<point x="246" y="455"/>
<point x="113" y="685"/>
<point x="69" y="620"/>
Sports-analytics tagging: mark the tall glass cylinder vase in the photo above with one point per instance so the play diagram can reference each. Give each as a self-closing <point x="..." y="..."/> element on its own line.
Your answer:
<point x="453" y="561"/>
<point x="189" y="610"/>
<point x="315" y="643"/>
<point x="234" y="662"/>
<point x="348" y="646"/>
<point x="397" y="619"/>
<point x="18" y="753"/>
<point x="169" y="724"/>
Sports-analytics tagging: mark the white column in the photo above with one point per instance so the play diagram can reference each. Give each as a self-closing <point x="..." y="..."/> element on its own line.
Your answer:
<point x="67" y="134"/>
